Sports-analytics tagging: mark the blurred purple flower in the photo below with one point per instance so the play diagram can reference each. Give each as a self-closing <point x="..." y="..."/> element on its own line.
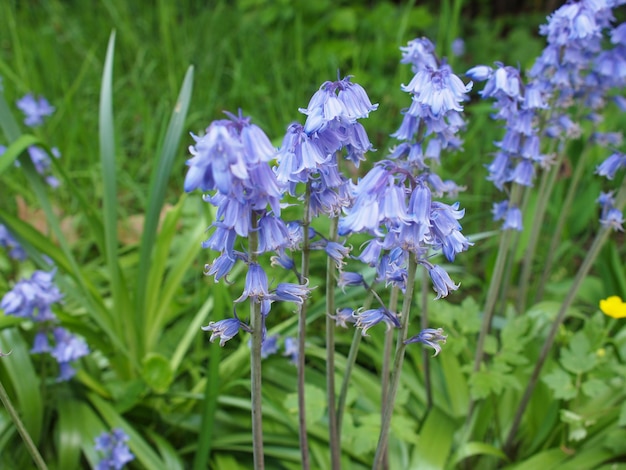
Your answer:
<point x="114" y="449"/>
<point x="35" y="109"/>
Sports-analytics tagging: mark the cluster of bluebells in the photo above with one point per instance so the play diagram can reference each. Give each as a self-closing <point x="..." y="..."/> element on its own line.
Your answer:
<point x="394" y="202"/>
<point x="114" y="450"/>
<point x="32" y="299"/>
<point x="231" y="164"/>
<point x="35" y="110"/>
<point x="572" y="74"/>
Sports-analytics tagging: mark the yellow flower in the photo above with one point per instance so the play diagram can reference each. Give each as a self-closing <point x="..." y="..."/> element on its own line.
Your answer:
<point x="613" y="307"/>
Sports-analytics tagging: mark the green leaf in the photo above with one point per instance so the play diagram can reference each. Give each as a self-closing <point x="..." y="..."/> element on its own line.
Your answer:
<point x="23" y="381"/>
<point x="315" y="403"/>
<point x="470" y="449"/>
<point x="436" y="435"/>
<point x="158" y="186"/>
<point x="622" y="415"/>
<point x="156" y="372"/>
<point x="16" y="148"/>
<point x="577" y="358"/>
<point x="125" y="327"/>
<point x="594" y="387"/>
<point x="560" y="383"/>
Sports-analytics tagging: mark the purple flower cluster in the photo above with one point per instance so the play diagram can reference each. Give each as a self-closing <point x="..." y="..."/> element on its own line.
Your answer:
<point x="308" y="153"/>
<point x="32" y="299"/>
<point x="573" y="69"/>
<point x="394" y="202"/>
<point x="433" y="120"/>
<point x="35" y="110"/>
<point x="232" y="162"/>
<point x="114" y="449"/>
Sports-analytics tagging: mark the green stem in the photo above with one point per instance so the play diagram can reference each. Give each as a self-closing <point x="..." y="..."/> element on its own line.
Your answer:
<point x="302" y="313"/>
<point x="350" y="361"/>
<point x="393" y="306"/>
<point x="494" y="286"/>
<point x="30" y="445"/>
<point x="545" y="191"/>
<point x="333" y="433"/>
<point x="425" y="352"/>
<point x="256" y="323"/>
<point x="586" y="265"/>
<point x="397" y="365"/>
<point x="563" y="215"/>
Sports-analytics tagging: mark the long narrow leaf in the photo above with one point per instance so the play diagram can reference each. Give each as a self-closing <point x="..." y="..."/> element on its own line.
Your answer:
<point x="121" y="309"/>
<point x="158" y="186"/>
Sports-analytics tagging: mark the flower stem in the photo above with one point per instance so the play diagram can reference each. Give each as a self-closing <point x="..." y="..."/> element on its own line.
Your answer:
<point x="563" y="215"/>
<point x="30" y="445"/>
<point x="397" y="365"/>
<point x="256" y="323"/>
<point x="425" y="353"/>
<point x="350" y="361"/>
<point x="494" y="285"/>
<point x="393" y="306"/>
<point x="586" y="265"/>
<point x="333" y="433"/>
<point x="302" y="313"/>
<point x="545" y="191"/>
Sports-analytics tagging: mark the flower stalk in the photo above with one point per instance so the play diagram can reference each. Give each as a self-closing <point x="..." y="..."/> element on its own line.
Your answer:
<point x="388" y="406"/>
<point x="256" y="324"/>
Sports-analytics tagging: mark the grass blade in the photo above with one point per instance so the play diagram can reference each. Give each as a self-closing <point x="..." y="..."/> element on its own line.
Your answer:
<point x="158" y="186"/>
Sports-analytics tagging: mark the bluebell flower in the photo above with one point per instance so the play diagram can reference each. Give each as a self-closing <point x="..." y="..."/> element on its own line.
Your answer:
<point x="439" y="90"/>
<point x="42" y="163"/>
<point x="365" y="319"/>
<point x="256" y="286"/>
<point x="283" y="260"/>
<point x="114" y="449"/>
<point x="613" y="218"/>
<point x="273" y="234"/>
<point x="458" y="47"/>
<point x="220" y="267"/>
<point x="343" y="316"/>
<point x="41" y="343"/>
<point x="430" y="337"/>
<point x="35" y="109"/>
<point x="347" y="278"/>
<point x="269" y="346"/>
<point x="442" y="283"/>
<point x="288" y="292"/>
<point x="341" y="101"/>
<point x="291" y="349"/>
<point x="611" y="165"/>
<point x="420" y="53"/>
<point x="225" y="329"/>
<point x="33" y="298"/>
<point x="68" y="349"/>
<point x="7" y="241"/>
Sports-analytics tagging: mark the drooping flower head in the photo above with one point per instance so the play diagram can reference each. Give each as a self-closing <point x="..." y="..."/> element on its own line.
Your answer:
<point x="430" y="337"/>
